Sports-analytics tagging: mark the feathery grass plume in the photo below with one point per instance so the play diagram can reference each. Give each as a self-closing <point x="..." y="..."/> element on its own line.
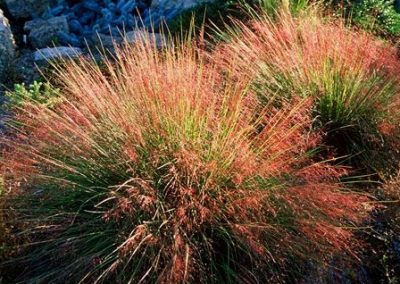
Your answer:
<point x="352" y="76"/>
<point x="157" y="168"/>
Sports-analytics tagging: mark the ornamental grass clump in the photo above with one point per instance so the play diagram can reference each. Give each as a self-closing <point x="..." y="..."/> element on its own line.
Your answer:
<point x="352" y="76"/>
<point x="155" y="167"/>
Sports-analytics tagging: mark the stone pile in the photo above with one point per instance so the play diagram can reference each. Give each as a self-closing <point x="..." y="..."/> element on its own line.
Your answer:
<point x="91" y="17"/>
<point x="67" y="25"/>
<point x="26" y="8"/>
<point x="70" y="22"/>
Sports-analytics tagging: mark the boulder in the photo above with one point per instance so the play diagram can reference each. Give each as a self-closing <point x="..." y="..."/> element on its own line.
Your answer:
<point x="26" y="67"/>
<point x="48" y="54"/>
<point x="157" y="39"/>
<point x="165" y="10"/>
<point x="105" y="40"/>
<point x="7" y="44"/>
<point x="177" y="4"/>
<point x="27" y="8"/>
<point x="44" y="33"/>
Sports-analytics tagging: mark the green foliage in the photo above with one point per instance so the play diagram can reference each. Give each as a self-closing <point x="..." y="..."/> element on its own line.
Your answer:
<point x="378" y="16"/>
<point x="43" y="93"/>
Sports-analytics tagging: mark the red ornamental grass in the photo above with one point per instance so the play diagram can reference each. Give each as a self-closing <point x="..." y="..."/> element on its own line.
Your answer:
<point x="352" y="75"/>
<point x="157" y="168"/>
<point x="303" y="44"/>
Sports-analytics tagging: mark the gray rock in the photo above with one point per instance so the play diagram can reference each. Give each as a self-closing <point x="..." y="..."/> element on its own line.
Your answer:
<point x="29" y="25"/>
<point x="155" y="38"/>
<point x="106" y="41"/>
<point x="48" y="54"/>
<point x="44" y="33"/>
<point x="7" y="44"/>
<point x="165" y="10"/>
<point x="178" y="4"/>
<point x="26" y="8"/>
<point x="25" y="67"/>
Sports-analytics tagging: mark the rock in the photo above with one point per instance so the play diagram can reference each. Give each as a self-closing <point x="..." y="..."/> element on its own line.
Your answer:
<point x="165" y="10"/>
<point x="7" y="44"/>
<point x="48" y="54"/>
<point x="108" y="18"/>
<point x="177" y="4"/>
<point x="44" y="33"/>
<point x="27" y="8"/>
<point x="89" y="17"/>
<point x="104" y="40"/>
<point x="158" y="39"/>
<point x="26" y="67"/>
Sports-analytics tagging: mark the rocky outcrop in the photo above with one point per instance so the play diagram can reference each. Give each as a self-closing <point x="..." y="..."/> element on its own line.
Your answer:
<point x="44" y="24"/>
<point x="44" y="33"/>
<point x="109" y="42"/>
<point x="76" y="23"/>
<point x="88" y="18"/>
<point x="177" y="4"/>
<point x="157" y="39"/>
<point x="27" y="8"/>
<point x="48" y="54"/>
<point x="7" y="44"/>
<point x="106" y="40"/>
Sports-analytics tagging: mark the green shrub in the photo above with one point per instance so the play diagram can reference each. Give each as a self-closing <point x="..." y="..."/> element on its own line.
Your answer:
<point x="378" y="16"/>
<point x="43" y="93"/>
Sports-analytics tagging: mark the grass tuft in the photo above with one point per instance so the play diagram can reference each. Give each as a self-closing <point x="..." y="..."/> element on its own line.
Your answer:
<point x="352" y="76"/>
<point x="157" y="167"/>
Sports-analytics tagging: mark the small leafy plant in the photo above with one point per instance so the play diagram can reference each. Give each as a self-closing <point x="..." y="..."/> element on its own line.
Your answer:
<point x="42" y="93"/>
<point x="379" y="16"/>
